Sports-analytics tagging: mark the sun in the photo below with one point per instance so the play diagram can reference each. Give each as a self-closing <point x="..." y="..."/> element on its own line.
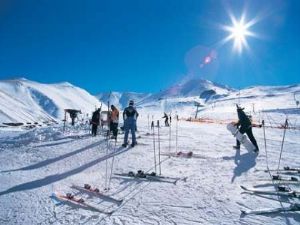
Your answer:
<point x="239" y="32"/>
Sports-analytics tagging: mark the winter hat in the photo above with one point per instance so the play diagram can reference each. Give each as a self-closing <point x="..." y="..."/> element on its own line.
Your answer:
<point x="239" y="108"/>
<point x="131" y="102"/>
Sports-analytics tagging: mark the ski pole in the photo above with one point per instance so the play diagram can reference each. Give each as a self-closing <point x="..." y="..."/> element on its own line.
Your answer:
<point x="107" y="145"/>
<point x="265" y="142"/>
<point x="285" y="127"/>
<point x="176" y="139"/>
<point x="153" y="133"/>
<point x="112" y="164"/>
<point x="170" y="138"/>
<point x="148" y="124"/>
<point x="158" y="140"/>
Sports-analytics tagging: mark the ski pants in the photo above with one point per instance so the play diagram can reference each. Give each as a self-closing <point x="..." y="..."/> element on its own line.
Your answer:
<point x="130" y="124"/>
<point x="166" y="122"/>
<point x="94" y="129"/>
<point x="114" y="128"/>
<point x="249" y="133"/>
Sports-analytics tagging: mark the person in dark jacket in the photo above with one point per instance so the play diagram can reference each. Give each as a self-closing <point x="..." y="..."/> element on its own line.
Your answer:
<point x="166" y="117"/>
<point x="244" y="125"/>
<point x="129" y="116"/>
<point x="95" y="121"/>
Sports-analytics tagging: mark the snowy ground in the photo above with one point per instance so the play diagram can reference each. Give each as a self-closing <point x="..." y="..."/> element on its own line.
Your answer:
<point x="36" y="163"/>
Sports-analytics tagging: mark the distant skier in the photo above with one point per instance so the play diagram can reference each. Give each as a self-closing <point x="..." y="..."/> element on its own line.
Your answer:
<point x="130" y="115"/>
<point x="166" y="117"/>
<point x="95" y="121"/>
<point x="244" y="125"/>
<point x="114" y="121"/>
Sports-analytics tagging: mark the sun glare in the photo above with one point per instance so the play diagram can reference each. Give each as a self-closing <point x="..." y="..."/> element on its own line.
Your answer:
<point x="238" y="32"/>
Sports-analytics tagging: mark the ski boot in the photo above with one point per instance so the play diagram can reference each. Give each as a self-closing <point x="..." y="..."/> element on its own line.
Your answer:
<point x="133" y="144"/>
<point x="87" y="186"/>
<point x="236" y="147"/>
<point x="69" y="196"/>
<point x="131" y="174"/>
<point x="141" y="174"/>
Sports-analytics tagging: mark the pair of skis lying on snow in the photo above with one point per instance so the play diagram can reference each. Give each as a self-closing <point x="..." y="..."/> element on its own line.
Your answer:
<point x="82" y="203"/>
<point x="87" y="188"/>
<point x="282" y="191"/>
<point x="287" y="170"/>
<point x="140" y="175"/>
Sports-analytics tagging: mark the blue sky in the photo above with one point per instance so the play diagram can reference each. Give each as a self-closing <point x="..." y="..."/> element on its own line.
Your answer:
<point x="146" y="46"/>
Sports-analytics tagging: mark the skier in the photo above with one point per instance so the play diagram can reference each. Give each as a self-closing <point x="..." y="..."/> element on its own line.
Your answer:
<point x="166" y="119"/>
<point x="129" y="116"/>
<point x="114" y="121"/>
<point x="95" y="121"/>
<point x="244" y="125"/>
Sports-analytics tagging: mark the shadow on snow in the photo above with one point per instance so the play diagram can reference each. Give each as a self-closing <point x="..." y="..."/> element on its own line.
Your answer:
<point x="57" y="177"/>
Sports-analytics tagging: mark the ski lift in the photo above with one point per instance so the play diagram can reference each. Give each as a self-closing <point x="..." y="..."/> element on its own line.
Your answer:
<point x="197" y="104"/>
<point x="296" y="99"/>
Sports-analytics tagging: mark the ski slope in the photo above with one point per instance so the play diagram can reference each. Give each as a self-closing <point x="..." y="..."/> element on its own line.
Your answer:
<point x="22" y="100"/>
<point x="36" y="163"/>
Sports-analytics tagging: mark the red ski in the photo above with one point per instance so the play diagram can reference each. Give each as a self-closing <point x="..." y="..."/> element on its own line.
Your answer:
<point x="79" y="202"/>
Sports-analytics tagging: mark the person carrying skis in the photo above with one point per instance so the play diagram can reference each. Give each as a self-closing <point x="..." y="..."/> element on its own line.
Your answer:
<point x="244" y="125"/>
<point x="114" y="121"/>
<point x="95" y="121"/>
<point x="166" y="117"/>
<point x="129" y="116"/>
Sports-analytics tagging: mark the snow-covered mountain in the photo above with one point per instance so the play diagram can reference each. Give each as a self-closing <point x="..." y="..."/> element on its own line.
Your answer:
<point x="194" y="87"/>
<point x="23" y="100"/>
<point x="216" y="99"/>
<point x="121" y="99"/>
<point x="192" y="90"/>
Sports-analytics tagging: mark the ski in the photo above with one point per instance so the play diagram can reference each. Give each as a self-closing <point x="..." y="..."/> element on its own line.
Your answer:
<point x="288" y="193"/>
<point x="285" y="179"/>
<point x="285" y="170"/>
<point x="149" y="177"/>
<point x="153" y="174"/>
<point x="96" y="192"/>
<point x="291" y="208"/>
<point x="79" y="202"/>
<point x="291" y="168"/>
<point x="183" y="155"/>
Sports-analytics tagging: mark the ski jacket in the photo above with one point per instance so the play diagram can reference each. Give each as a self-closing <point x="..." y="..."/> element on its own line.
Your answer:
<point x="96" y="117"/>
<point x="130" y="112"/>
<point x="165" y="116"/>
<point x="244" y="120"/>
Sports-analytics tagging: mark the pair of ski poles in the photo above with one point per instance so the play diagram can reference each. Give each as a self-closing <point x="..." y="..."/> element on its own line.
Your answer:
<point x="154" y="144"/>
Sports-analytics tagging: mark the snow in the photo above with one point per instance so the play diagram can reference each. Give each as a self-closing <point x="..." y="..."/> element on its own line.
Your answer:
<point x="35" y="163"/>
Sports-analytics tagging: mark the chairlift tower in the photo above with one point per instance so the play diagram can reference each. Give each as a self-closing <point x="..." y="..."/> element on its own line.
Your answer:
<point x="197" y="104"/>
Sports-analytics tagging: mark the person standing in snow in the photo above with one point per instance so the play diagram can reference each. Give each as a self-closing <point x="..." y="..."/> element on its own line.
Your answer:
<point x="166" y="117"/>
<point x="244" y="125"/>
<point x="95" y="121"/>
<point x="130" y="115"/>
<point x="114" y="121"/>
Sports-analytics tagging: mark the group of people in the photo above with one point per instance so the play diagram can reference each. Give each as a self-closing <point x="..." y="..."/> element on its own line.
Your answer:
<point x="130" y="116"/>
